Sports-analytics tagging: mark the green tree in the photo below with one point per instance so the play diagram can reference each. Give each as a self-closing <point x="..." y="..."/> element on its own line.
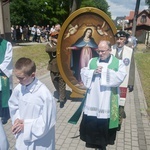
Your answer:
<point x="100" y="4"/>
<point x="74" y="5"/>
<point x="40" y="12"/>
<point x="17" y="9"/>
<point x="43" y="12"/>
<point x="148" y="3"/>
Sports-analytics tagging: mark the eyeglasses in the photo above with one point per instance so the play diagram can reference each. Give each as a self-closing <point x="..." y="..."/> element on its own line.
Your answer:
<point x="101" y="51"/>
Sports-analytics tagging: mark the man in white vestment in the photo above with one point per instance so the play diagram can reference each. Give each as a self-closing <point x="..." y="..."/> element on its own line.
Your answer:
<point x="126" y="54"/>
<point x="131" y="40"/>
<point x="32" y="110"/>
<point x="6" y="67"/>
<point x="102" y="78"/>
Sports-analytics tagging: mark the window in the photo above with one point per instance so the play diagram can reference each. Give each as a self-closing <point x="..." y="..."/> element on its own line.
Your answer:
<point x="143" y="19"/>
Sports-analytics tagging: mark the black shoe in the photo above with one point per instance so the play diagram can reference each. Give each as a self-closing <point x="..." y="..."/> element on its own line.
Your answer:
<point x="100" y="148"/>
<point x="4" y="120"/>
<point x="61" y="104"/>
<point x="119" y="127"/>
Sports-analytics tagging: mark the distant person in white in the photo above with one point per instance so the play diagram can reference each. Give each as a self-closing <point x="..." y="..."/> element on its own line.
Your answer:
<point x="132" y="40"/>
<point x="32" y="110"/>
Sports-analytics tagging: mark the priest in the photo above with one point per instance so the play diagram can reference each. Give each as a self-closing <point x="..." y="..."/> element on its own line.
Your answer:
<point x="102" y="78"/>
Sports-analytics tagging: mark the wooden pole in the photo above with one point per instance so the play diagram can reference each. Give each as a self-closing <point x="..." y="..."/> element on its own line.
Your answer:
<point x="5" y="27"/>
<point x="1" y="20"/>
<point x="135" y="17"/>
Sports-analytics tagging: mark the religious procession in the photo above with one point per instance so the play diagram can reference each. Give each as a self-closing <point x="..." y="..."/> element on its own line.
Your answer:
<point x="88" y="96"/>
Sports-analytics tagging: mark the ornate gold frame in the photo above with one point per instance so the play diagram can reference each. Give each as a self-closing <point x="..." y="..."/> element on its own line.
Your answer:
<point x="77" y="92"/>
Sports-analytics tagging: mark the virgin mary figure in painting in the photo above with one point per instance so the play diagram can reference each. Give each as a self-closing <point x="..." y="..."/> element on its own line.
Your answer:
<point x="83" y="49"/>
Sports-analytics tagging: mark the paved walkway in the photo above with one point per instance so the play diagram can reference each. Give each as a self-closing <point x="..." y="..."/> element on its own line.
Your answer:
<point x="134" y="135"/>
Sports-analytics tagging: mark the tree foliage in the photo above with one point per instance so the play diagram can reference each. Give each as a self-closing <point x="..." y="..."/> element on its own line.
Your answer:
<point x="100" y="4"/>
<point x="40" y="12"/>
<point x="74" y="5"/>
<point x="148" y="3"/>
<point x="43" y="12"/>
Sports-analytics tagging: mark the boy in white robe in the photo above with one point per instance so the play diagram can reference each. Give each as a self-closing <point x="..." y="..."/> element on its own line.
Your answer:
<point x="32" y="110"/>
<point x="102" y="78"/>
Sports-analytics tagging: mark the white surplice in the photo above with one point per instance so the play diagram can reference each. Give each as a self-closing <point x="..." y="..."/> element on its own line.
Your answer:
<point x="4" y="145"/>
<point x="36" y="106"/>
<point x="99" y="88"/>
<point x="7" y="66"/>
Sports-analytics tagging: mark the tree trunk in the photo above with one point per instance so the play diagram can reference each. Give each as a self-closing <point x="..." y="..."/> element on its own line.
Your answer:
<point x="75" y="4"/>
<point x="135" y="17"/>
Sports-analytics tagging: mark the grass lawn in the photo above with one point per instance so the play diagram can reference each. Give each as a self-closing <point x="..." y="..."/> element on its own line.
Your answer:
<point x="143" y="63"/>
<point x="37" y="53"/>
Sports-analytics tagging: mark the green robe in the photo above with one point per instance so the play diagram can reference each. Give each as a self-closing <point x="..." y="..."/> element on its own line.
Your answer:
<point x="5" y="89"/>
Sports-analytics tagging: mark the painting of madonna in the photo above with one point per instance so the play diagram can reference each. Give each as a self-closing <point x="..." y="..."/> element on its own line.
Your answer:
<point x="83" y="49"/>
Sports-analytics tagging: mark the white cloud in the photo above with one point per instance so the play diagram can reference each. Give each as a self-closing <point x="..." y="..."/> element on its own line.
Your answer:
<point x="123" y="7"/>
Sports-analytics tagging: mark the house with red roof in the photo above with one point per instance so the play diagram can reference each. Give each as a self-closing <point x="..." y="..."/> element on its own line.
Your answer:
<point x="143" y="25"/>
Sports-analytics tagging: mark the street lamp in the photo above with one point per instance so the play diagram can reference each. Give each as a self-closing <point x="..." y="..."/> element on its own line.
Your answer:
<point x="122" y="22"/>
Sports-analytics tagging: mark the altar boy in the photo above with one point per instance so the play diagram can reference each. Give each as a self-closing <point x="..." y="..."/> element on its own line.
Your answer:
<point x="32" y="110"/>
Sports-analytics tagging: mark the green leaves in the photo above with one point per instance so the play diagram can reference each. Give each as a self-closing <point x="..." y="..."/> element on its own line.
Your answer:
<point x="40" y="12"/>
<point x="148" y="3"/>
<point x="43" y="12"/>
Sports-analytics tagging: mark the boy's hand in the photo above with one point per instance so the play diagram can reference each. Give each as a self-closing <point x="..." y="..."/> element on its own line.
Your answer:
<point x="18" y="126"/>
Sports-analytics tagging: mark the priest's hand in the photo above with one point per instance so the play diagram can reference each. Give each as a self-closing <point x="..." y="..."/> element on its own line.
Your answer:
<point x="130" y="87"/>
<point x="98" y="70"/>
<point x="18" y="126"/>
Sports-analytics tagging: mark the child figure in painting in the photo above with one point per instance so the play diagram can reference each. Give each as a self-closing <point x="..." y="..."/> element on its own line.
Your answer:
<point x="72" y="31"/>
<point x="100" y="29"/>
<point x="32" y="110"/>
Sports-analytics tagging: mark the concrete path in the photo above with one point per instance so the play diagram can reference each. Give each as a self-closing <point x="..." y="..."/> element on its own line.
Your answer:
<point x="134" y="135"/>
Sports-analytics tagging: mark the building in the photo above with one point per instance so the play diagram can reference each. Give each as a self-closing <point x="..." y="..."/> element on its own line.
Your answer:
<point x="143" y="25"/>
<point x="142" y="28"/>
<point x="5" y="31"/>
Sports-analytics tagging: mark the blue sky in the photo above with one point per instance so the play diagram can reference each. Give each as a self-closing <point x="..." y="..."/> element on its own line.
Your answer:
<point x="123" y="7"/>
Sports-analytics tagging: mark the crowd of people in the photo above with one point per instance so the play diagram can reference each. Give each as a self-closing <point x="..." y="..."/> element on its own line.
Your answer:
<point x="33" y="33"/>
<point x="32" y="108"/>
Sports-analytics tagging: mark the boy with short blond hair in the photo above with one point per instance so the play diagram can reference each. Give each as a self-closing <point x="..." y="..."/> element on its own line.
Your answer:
<point x="32" y="110"/>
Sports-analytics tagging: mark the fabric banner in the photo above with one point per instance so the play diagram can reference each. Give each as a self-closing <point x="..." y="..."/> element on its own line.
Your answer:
<point x="74" y="119"/>
<point x="123" y="95"/>
<point x="5" y="90"/>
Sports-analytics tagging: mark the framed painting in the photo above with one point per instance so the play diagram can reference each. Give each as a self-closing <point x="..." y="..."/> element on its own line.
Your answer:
<point x="78" y="41"/>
